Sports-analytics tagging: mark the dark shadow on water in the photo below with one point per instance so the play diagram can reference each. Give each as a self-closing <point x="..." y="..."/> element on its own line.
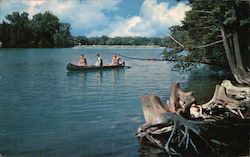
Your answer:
<point x="203" y="81"/>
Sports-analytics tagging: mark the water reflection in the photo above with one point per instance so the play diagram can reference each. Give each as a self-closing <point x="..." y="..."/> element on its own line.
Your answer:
<point x="81" y="76"/>
<point x="117" y="74"/>
<point x="88" y="77"/>
<point x="99" y="77"/>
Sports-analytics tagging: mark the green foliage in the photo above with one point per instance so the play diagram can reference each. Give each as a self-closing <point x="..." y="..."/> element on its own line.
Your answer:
<point x="183" y="66"/>
<point x="16" y="31"/>
<point x="229" y="18"/>
<point x="63" y="38"/>
<point x="43" y="30"/>
<point x="44" y="26"/>
<point x="132" y="41"/>
<point x="201" y="27"/>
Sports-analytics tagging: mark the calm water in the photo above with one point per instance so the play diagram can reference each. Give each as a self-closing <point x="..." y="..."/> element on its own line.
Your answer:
<point x="47" y="111"/>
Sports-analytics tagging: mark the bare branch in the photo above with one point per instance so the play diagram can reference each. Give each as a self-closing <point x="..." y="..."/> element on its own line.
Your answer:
<point x="205" y="27"/>
<point x="176" y="41"/>
<point x="203" y="11"/>
<point x="210" y="44"/>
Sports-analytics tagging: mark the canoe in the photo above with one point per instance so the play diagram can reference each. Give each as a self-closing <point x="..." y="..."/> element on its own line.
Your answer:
<point x="73" y="67"/>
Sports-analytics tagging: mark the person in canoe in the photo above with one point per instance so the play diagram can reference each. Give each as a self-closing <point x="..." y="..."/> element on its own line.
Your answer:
<point x="116" y="60"/>
<point x="82" y="61"/>
<point x="99" y="61"/>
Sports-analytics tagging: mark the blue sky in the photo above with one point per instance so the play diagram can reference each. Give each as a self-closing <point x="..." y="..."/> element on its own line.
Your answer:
<point x="106" y="17"/>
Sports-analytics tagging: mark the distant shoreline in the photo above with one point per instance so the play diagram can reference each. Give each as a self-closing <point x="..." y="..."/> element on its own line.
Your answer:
<point x="116" y="46"/>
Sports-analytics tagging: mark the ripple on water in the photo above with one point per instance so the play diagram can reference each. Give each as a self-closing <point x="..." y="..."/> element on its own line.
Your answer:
<point x="47" y="111"/>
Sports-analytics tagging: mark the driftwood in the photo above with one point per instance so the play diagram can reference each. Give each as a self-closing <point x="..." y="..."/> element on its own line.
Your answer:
<point x="177" y="124"/>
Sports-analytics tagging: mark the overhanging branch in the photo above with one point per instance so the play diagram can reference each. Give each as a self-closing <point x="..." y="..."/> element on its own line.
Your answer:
<point x="203" y="11"/>
<point x="207" y="45"/>
<point x="176" y="41"/>
<point x="197" y="47"/>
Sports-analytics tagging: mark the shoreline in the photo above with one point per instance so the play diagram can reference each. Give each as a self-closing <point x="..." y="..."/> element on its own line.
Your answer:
<point x="117" y="46"/>
<point x="93" y="46"/>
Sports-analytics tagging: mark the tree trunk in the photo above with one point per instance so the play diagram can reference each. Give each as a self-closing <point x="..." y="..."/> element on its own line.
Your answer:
<point x="153" y="109"/>
<point x="239" y="63"/>
<point x="229" y="55"/>
<point x="234" y="58"/>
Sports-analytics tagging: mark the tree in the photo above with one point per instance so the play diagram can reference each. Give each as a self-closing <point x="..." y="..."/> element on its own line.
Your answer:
<point x="216" y="33"/>
<point x="44" y="30"/>
<point x="15" y="31"/>
<point x="44" y="27"/>
<point x="103" y="40"/>
<point x="110" y="41"/>
<point x="83" y="40"/>
<point x="63" y="37"/>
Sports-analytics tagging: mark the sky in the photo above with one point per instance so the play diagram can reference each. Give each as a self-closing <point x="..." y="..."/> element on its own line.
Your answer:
<point x="148" y="18"/>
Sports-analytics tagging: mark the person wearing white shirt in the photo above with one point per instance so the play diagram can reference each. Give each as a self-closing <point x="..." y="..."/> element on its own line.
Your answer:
<point x="98" y="60"/>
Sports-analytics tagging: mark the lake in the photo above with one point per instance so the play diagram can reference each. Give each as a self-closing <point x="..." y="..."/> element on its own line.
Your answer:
<point x="47" y="111"/>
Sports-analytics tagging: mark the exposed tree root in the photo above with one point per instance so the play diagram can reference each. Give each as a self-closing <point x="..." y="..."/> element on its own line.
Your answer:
<point x="174" y="126"/>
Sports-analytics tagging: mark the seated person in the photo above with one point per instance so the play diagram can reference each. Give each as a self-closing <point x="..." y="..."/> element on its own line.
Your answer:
<point x="98" y="60"/>
<point x="116" y="60"/>
<point x="82" y="61"/>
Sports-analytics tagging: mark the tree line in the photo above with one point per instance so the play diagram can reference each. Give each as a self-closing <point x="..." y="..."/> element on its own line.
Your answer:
<point x="46" y="30"/>
<point x="132" y="41"/>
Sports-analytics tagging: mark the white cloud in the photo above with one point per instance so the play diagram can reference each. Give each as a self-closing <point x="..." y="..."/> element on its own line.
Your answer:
<point x="161" y="14"/>
<point x="32" y="4"/>
<point x="82" y="15"/>
<point x="119" y="27"/>
<point x="154" y="20"/>
<point x="89" y="17"/>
